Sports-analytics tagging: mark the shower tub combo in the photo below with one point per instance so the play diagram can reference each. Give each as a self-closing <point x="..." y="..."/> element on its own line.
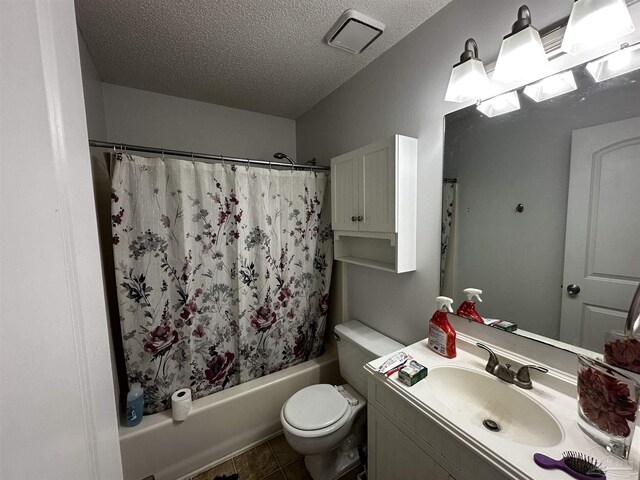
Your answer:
<point x="219" y="425"/>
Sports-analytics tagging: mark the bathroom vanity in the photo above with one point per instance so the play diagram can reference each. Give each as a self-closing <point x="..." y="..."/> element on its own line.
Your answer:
<point x="434" y="430"/>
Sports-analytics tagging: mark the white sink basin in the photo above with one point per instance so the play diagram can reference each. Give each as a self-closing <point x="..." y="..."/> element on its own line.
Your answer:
<point x="474" y="397"/>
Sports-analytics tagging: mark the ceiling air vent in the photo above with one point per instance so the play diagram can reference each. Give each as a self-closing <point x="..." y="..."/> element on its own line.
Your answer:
<point x="354" y="32"/>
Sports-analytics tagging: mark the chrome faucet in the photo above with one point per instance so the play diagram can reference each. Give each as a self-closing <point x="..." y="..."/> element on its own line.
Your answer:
<point x="521" y="378"/>
<point x="633" y="317"/>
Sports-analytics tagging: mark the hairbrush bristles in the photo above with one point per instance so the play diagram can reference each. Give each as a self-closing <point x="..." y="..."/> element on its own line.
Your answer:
<point x="584" y="464"/>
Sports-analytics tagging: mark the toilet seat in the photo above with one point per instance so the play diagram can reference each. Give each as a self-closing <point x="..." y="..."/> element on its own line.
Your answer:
<point x="316" y="408"/>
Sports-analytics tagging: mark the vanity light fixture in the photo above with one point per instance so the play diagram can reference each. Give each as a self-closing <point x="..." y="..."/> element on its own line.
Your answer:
<point x="595" y="22"/>
<point x="625" y="60"/>
<point x="552" y="86"/>
<point x="469" y="79"/>
<point x="522" y="56"/>
<point x="505" y="103"/>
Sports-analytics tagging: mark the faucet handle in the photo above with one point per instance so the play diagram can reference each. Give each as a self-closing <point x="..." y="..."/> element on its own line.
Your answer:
<point x="523" y="373"/>
<point x="493" y="361"/>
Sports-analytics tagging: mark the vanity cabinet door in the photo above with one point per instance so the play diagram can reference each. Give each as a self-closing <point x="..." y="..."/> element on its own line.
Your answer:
<point x="378" y="186"/>
<point x="344" y="192"/>
<point x="393" y="456"/>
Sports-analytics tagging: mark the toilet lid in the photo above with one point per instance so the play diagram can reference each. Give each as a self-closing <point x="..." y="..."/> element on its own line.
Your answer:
<point x="315" y="407"/>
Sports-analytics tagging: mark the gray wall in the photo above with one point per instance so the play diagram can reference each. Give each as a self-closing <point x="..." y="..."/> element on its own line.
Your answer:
<point x="402" y="92"/>
<point x="523" y="157"/>
<point x="140" y="117"/>
<point x="92" y="89"/>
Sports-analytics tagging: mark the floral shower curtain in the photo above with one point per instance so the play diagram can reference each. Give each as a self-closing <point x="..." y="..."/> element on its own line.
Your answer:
<point x="223" y="272"/>
<point x="448" y="217"/>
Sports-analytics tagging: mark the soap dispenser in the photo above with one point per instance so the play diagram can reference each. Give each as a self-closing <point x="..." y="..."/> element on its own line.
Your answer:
<point x="442" y="336"/>
<point x="468" y="308"/>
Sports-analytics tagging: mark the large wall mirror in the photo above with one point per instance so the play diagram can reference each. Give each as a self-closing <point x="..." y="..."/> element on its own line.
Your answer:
<point x="541" y="210"/>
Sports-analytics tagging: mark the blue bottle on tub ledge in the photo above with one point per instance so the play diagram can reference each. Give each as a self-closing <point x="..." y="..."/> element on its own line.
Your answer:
<point x="135" y="405"/>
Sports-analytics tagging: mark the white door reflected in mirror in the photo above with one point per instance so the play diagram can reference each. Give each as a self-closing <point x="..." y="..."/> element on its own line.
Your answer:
<point x="602" y="247"/>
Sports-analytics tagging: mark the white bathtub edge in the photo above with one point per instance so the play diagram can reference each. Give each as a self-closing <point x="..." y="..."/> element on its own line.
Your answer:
<point x="220" y="425"/>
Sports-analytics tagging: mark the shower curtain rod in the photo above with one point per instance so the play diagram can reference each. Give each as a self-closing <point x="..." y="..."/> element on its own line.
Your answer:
<point x="205" y="156"/>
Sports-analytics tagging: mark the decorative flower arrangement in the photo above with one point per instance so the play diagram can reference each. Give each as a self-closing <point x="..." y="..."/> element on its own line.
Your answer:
<point x="606" y="401"/>
<point x="623" y="353"/>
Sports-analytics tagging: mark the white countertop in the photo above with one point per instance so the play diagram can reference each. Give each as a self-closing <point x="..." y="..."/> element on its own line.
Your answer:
<point x="554" y="391"/>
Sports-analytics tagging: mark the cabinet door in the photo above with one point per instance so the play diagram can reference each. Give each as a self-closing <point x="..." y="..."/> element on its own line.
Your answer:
<point x="393" y="456"/>
<point x="344" y="191"/>
<point x="377" y="163"/>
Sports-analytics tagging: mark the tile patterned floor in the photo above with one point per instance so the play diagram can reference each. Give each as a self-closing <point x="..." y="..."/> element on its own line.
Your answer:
<point x="271" y="460"/>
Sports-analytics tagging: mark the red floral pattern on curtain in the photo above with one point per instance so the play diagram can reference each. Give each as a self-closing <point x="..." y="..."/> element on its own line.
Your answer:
<point x="223" y="272"/>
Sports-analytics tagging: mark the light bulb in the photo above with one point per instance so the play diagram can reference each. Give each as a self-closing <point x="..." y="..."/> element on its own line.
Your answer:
<point x="620" y="60"/>
<point x="625" y="60"/>
<point x="468" y="79"/>
<point x="505" y="103"/>
<point x="522" y="57"/>
<point x="595" y="22"/>
<point x="552" y="86"/>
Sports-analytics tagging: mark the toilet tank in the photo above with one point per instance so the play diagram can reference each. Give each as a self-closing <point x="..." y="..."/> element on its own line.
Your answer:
<point x="358" y="345"/>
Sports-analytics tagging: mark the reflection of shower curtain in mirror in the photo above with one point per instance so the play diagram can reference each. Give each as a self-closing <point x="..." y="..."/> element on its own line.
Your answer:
<point x="447" y="254"/>
<point x="223" y="272"/>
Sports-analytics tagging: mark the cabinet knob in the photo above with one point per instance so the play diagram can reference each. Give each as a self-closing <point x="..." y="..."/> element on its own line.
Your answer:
<point x="359" y="218"/>
<point x="354" y="218"/>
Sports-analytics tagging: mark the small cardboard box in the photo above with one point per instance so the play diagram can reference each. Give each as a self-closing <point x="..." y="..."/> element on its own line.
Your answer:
<point x="412" y="373"/>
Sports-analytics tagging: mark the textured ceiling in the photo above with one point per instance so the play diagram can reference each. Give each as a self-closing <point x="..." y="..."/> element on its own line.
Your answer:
<point x="262" y="55"/>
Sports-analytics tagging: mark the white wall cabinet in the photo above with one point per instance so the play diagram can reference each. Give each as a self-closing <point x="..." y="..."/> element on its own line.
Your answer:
<point x="345" y="192"/>
<point x="373" y="204"/>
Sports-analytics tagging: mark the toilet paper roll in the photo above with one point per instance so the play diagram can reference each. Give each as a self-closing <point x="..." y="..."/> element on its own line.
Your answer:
<point x="181" y="404"/>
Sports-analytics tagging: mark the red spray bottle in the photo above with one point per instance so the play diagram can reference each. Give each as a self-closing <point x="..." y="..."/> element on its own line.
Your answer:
<point x="468" y="308"/>
<point x="442" y="336"/>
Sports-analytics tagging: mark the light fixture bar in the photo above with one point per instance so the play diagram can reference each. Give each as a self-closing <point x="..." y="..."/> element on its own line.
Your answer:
<point x="551" y="37"/>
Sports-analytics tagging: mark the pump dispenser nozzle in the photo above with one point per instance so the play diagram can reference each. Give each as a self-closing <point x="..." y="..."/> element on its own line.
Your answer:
<point x="444" y="304"/>
<point x="473" y="292"/>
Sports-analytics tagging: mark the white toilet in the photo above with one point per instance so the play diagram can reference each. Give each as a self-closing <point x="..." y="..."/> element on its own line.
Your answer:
<point x="326" y="422"/>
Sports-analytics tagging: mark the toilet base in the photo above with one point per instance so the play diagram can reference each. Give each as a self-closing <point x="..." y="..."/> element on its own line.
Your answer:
<point x="330" y="465"/>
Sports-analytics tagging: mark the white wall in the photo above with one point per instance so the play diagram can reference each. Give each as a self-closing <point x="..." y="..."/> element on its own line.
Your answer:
<point x="57" y="413"/>
<point x="402" y="92"/>
<point x="146" y="118"/>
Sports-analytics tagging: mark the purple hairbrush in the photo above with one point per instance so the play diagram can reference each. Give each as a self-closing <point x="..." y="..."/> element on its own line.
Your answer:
<point x="576" y="464"/>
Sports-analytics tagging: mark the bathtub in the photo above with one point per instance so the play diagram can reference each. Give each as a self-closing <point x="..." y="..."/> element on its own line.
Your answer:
<point x="219" y="425"/>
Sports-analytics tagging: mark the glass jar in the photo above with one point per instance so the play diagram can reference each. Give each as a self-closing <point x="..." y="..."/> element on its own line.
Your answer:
<point x="607" y="405"/>
<point x="621" y="351"/>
